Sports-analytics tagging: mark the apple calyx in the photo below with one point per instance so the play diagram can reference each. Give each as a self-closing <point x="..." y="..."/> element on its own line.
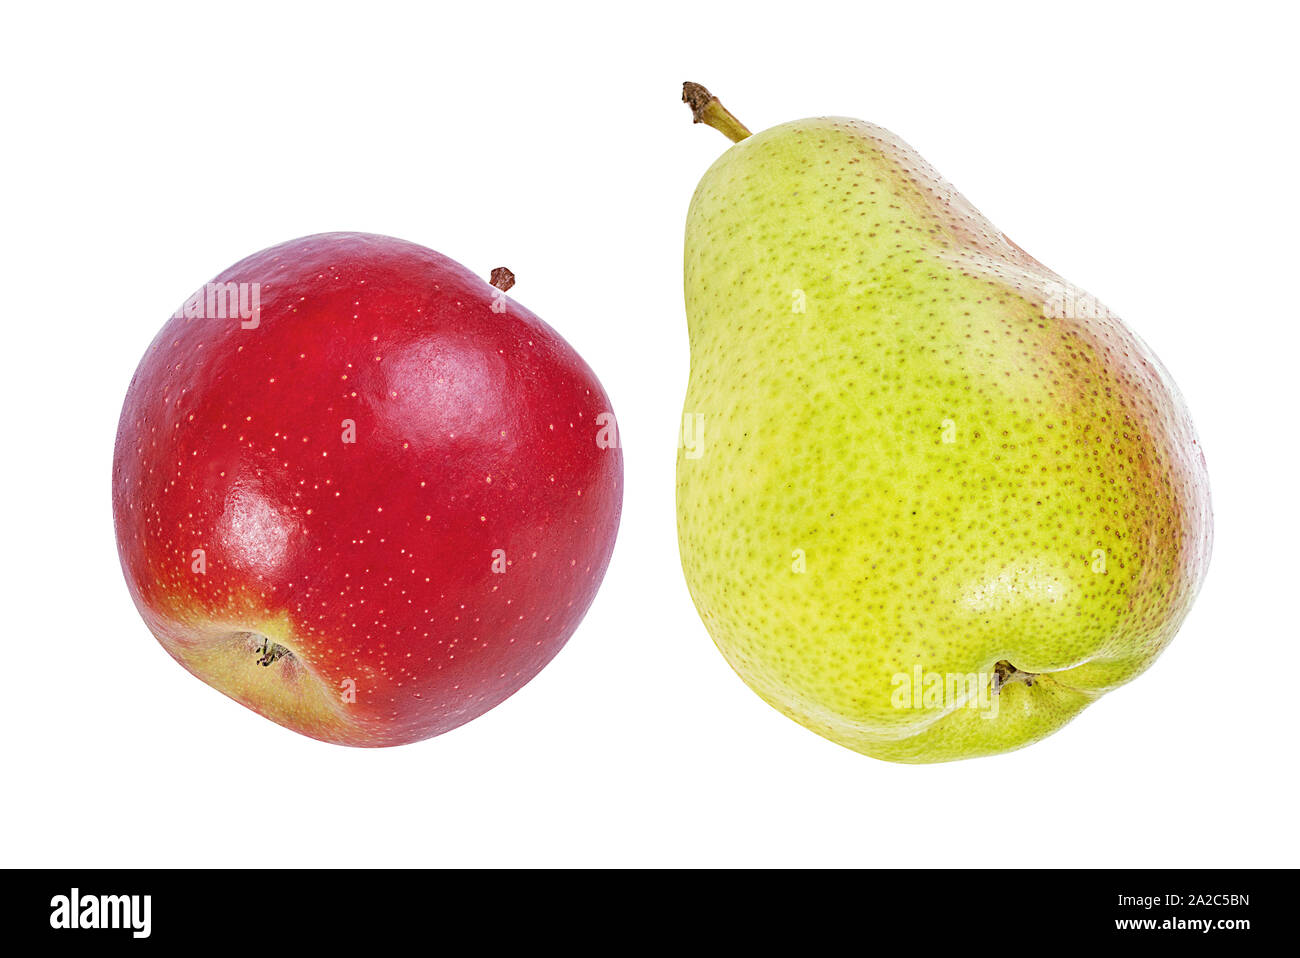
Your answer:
<point x="708" y="109"/>
<point x="1004" y="673"/>
<point x="269" y="651"/>
<point x="236" y="662"/>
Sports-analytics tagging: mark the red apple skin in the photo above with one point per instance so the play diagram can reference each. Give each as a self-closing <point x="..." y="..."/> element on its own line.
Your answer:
<point x="372" y="561"/>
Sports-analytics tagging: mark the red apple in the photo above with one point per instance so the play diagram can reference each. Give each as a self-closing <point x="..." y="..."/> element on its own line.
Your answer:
<point x="361" y="491"/>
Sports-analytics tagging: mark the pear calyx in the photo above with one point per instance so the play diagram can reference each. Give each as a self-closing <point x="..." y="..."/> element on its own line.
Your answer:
<point x="1004" y="673"/>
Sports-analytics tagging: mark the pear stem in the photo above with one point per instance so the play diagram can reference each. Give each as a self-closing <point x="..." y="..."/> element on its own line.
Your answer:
<point x="707" y="108"/>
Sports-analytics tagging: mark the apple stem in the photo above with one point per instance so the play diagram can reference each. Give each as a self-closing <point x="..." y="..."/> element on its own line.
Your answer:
<point x="707" y="108"/>
<point x="502" y="278"/>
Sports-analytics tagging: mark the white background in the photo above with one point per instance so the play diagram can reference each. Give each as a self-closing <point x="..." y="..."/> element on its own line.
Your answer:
<point x="1146" y="152"/>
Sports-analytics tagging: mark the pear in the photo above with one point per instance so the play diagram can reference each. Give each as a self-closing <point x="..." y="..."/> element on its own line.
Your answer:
<point x="933" y="500"/>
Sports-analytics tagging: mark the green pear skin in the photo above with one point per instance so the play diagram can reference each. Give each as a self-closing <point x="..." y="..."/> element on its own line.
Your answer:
<point x="933" y="500"/>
